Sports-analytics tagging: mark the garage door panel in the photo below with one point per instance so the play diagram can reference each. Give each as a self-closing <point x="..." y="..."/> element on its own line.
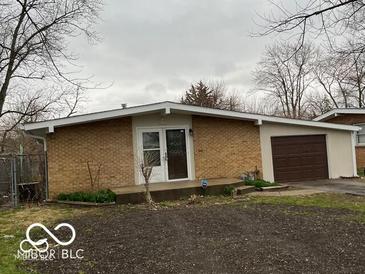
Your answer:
<point x="293" y="167"/>
<point x="294" y="150"/>
<point x="293" y="161"/>
<point x="304" y="169"/>
<point x="299" y="147"/>
<point x="297" y="158"/>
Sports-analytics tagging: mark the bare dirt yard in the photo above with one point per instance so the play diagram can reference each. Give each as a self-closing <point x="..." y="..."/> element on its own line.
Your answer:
<point x="317" y="234"/>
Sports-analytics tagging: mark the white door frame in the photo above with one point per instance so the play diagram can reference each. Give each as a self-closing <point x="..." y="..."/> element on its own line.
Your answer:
<point x="163" y="149"/>
<point x="140" y="156"/>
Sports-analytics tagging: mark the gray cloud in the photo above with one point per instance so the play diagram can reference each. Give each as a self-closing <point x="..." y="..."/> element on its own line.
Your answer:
<point x="153" y="50"/>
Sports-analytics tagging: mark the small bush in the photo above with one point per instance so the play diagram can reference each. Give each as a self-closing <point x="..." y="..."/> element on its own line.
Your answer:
<point x="102" y="196"/>
<point x="228" y="190"/>
<point x="361" y="172"/>
<point x="194" y="199"/>
<point x="259" y="183"/>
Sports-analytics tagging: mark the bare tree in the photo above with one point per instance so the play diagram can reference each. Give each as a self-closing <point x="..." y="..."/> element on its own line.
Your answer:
<point x="94" y="178"/>
<point x="212" y="95"/>
<point x="254" y="103"/>
<point x="146" y="166"/>
<point x="317" y="104"/>
<point x="233" y="102"/>
<point x="339" y="72"/>
<point x="331" y="18"/>
<point x="33" y="45"/>
<point x="355" y="79"/>
<point x="330" y="72"/>
<point x="285" y="80"/>
<point x="35" y="106"/>
<point x="341" y="75"/>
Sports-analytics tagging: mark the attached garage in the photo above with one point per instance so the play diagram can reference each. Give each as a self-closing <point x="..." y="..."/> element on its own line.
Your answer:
<point x="293" y="152"/>
<point x="298" y="158"/>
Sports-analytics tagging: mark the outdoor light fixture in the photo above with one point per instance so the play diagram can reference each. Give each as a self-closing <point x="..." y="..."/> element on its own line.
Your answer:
<point x="191" y="132"/>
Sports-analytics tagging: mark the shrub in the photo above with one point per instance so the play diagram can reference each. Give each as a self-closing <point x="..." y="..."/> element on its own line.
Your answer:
<point x="194" y="199"/>
<point x="102" y="196"/>
<point x="259" y="183"/>
<point x="361" y="172"/>
<point x="228" y="190"/>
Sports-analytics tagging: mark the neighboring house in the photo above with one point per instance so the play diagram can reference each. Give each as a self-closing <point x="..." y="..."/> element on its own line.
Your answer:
<point x="189" y="143"/>
<point x="349" y="116"/>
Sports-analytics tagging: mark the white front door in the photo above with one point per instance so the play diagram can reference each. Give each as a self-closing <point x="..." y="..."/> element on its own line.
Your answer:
<point x="151" y="144"/>
<point x="167" y="150"/>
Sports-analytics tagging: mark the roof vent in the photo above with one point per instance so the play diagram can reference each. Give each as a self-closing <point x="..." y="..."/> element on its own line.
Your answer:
<point x="124" y="106"/>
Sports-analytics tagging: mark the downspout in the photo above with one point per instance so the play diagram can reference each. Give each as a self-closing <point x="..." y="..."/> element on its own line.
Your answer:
<point x="44" y="140"/>
<point x="264" y="170"/>
<point x="39" y="138"/>
<point x="353" y="143"/>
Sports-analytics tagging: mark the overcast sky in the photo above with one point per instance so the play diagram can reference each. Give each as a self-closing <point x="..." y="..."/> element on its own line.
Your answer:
<point x="152" y="50"/>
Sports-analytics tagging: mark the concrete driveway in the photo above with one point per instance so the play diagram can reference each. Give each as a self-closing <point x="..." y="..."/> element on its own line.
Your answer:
<point x="349" y="186"/>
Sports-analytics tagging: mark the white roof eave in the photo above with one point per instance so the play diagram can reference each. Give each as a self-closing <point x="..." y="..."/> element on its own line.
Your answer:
<point x="169" y="107"/>
<point x="335" y="112"/>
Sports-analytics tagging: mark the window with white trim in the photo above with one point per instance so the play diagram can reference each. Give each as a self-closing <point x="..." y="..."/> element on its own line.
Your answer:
<point x="151" y="148"/>
<point x="361" y="135"/>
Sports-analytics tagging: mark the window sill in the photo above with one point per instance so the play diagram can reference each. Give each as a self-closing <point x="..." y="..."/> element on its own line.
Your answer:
<point x="360" y="145"/>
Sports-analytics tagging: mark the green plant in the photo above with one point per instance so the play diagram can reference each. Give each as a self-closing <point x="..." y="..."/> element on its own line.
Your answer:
<point x="228" y="190"/>
<point x="194" y="199"/>
<point x="259" y="183"/>
<point x="101" y="196"/>
<point x="360" y="172"/>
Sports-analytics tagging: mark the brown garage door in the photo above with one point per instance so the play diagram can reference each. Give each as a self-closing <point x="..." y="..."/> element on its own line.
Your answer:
<point x="298" y="158"/>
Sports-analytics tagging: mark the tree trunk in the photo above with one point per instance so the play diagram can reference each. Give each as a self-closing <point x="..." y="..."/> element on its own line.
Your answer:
<point x="12" y="56"/>
<point x="148" y="196"/>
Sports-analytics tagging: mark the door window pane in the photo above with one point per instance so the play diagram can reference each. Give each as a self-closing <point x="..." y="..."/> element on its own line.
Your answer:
<point x="176" y="154"/>
<point x="151" y="140"/>
<point x="152" y="158"/>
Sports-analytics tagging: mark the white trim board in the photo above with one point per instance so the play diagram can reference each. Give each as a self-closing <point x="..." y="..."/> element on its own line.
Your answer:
<point x="167" y="108"/>
<point x="338" y="111"/>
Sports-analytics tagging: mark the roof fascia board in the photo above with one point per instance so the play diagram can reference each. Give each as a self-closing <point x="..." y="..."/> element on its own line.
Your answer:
<point x="168" y="107"/>
<point x="337" y="112"/>
<point x="94" y="117"/>
<point x="262" y="118"/>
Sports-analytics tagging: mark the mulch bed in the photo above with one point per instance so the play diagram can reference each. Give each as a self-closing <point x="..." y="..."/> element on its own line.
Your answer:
<point x="216" y="239"/>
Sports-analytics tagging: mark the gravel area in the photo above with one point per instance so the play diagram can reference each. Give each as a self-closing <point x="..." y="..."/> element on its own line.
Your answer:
<point x="216" y="239"/>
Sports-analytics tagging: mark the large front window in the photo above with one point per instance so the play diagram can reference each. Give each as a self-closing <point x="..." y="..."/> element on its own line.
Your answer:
<point x="361" y="135"/>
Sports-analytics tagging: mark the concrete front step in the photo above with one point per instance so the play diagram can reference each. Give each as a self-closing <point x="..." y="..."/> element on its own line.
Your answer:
<point x="273" y="188"/>
<point x="241" y="190"/>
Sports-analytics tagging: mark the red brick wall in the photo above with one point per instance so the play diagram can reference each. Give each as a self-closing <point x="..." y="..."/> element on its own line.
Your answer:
<point x="360" y="157"/>
<point x="108" y="143"/>
<point x="224" y="147"/>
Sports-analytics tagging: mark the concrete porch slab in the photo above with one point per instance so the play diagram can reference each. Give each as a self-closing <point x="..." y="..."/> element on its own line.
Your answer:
<point x="173" y="190"/>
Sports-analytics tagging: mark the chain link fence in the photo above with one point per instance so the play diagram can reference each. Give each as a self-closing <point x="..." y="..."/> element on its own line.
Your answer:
<point x="23" y="179"/>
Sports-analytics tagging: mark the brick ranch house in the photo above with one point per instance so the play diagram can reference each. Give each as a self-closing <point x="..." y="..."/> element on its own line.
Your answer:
<point x="349" y="116"/>
<point x="190" y="143"/>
